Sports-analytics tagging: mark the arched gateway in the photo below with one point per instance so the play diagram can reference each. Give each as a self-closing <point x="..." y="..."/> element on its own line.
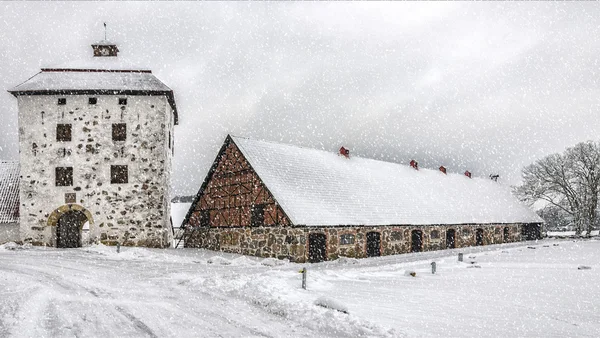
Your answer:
<point x="69" y="220"/>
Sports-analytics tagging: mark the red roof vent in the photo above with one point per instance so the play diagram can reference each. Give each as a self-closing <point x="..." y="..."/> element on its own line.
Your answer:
<point x="468" y="174"/>
<point x="443" y="169"/>
<point x="414" y="164"/>
<point x="345" y="152"/>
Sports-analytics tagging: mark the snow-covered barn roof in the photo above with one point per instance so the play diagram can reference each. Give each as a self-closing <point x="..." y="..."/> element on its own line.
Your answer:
<point x="99" y="75"/>
<point x="320" y="188"/>
<point x="9" y="192"/>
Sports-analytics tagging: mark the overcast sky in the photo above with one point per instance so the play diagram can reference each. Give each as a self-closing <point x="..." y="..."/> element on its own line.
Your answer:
<point x="488" y="87"/>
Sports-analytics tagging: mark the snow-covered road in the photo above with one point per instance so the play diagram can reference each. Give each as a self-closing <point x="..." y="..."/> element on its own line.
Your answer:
<point x="76" y="293"/>
<point x="510" y="290"/>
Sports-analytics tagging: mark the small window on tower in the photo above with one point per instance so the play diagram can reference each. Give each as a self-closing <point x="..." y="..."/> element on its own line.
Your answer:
<point x="123" y="101"/>
<point x="119" y="131"/>
<point x="64" y="176"/>
<point x="62" y="101"/>
<point x="118" y="174"/>
<point x="93" y="100"/>
<point x="63" y="132"/>
<point x="258" y="216"/>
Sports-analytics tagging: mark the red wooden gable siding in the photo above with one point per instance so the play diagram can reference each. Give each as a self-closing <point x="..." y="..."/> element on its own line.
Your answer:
<point x="232" y="191"/>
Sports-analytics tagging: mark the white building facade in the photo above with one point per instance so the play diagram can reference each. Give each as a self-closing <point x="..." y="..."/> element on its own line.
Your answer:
<point x="96" y="142"/>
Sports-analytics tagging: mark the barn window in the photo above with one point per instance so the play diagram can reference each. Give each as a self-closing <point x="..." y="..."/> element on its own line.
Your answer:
<point x="62" y="101"/>
<point x="118" y="174"/>
<point x="122" y="101"/>
<point x="466" y="232"/>
<point x="92" y="100"/>
<point x="258" y="215"/>
<point x="204" y="218"/>
<point x="119" y="131"/>
<point x="346" y="239"/>
<point x="63" y="132"/>
<point x="396" y="236"/>
<point x="64" y="176"/>
<point x="434" y="234"/>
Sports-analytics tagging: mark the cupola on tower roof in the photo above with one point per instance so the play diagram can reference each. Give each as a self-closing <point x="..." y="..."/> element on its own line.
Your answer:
<point x="105" y="48"/>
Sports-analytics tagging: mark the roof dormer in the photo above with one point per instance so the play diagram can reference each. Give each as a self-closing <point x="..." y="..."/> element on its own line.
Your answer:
<point x="105" y="48"/>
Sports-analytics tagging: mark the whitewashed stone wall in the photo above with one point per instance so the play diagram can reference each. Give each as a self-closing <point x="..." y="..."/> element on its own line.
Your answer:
<point x="136" y="213"/>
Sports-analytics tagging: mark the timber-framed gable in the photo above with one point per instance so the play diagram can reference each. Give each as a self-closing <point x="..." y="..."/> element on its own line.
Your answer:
<point x="233" y="195"/>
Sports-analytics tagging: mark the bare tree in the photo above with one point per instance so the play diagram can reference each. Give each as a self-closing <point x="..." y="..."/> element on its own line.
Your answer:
<point x="569" y="181"/>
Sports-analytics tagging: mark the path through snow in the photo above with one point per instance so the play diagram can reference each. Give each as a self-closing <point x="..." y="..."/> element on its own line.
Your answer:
<point x="95" y="292"/>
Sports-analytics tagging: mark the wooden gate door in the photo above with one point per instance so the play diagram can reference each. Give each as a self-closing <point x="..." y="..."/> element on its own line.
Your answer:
<point x="317" y="248"/>
<point x="479" y="237"/>
<point x="373" y="244"/>
<point x="417" y="241"/>
<point x="450" y="239"/>
<point x="506" y="235"/>
<point x="68" y="231"/>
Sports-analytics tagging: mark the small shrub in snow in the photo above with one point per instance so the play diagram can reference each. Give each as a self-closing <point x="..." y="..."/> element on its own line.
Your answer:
<point x="474" y="266"/>
<point x="410" y="273"/>
<point x="584" y="267"/>
<point x="14" y="246"/>
<point x="531" y="247"/>
<point x="218" y="260"/>
<point x="331" y="304"/>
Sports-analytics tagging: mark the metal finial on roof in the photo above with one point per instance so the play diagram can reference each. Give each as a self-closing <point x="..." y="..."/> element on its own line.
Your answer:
<point x="105" y="32"/>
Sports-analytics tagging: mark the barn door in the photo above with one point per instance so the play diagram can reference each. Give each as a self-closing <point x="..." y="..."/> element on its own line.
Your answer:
<point x="317" y="248"/>
<point x="506" y="235"/>
<point x="450" y="241"/>
<point x="68" y="231"/>
<point x="416" y="241"/>
<point x="373" y="244"/>
<point x="479" y="237"/>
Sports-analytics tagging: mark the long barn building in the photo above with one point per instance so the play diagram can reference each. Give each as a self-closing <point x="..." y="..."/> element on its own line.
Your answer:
<point x="275" y="200"/>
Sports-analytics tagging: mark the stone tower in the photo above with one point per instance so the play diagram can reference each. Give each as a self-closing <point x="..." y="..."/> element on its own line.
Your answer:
<point x="96" y="143"/>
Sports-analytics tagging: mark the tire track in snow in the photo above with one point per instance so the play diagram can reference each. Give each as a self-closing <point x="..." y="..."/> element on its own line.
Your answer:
<point x="137" y="322"/>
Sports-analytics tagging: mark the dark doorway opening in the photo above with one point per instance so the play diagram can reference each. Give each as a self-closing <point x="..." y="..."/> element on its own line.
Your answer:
<point x="506" y="235"/>
<point x="373" y="244"/>
<point x="479" y="237"/>
<point x="317" y="248"/>
<point x="531" y="232"/>
<point x="450" y="239"/>
<point x="416" y="241"/>
<point x="68" y="230"/>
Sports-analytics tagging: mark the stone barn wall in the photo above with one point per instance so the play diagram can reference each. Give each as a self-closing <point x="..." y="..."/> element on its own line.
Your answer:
<point x="133" y="213"/>
<point x="292" y="242"/>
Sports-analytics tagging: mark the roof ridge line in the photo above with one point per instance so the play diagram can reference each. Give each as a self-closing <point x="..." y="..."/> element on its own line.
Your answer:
<point x="329" y="152"/>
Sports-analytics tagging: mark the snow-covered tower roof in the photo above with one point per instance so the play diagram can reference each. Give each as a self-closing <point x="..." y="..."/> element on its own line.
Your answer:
<point x="101" y="74"/>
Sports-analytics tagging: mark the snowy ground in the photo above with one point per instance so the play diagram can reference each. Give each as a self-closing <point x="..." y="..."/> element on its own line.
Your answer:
<point x="510" y="290"/>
